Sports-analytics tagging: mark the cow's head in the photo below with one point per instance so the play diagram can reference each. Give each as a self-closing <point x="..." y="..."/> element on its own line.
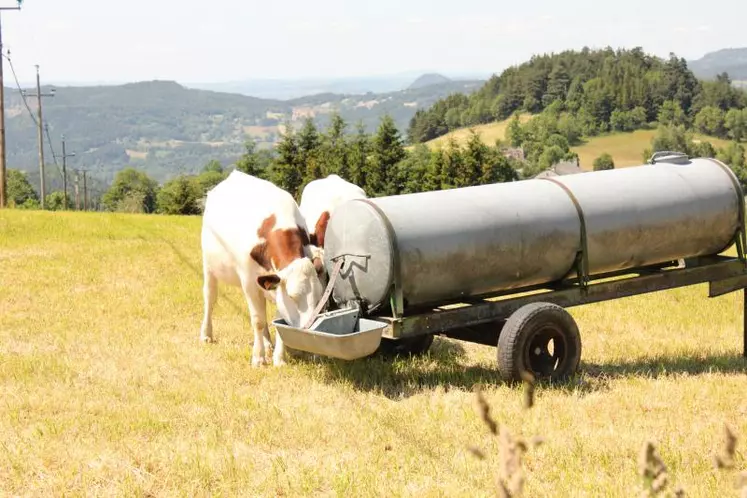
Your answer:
<point x="297" y="289"/>
<point x="293" y="273"/>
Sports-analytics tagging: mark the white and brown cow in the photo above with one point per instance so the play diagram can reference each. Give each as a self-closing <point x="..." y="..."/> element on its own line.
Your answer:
<point x="319" y="200"/>
<point x="254" y="237"/>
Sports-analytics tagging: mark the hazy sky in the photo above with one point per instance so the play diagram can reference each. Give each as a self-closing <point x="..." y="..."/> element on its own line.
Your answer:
<point x="224" y="40"/>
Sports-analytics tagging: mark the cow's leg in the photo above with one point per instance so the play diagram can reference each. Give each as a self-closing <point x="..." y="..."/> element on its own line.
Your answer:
<point x="209" y="294"/>
<point x="257" y="312"/>
<point x="266" y="331"/>
<point x="268" y="341"/>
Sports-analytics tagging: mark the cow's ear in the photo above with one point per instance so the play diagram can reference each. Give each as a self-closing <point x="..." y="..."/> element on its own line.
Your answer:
<point x="318" y="265"/>
<point x="269" y="282"/>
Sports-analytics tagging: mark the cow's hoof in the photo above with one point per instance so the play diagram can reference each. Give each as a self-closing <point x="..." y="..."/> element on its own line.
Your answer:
<point x="279" y="362"/>
<point x="258" y="362"/>
<point x="206" y="339"/>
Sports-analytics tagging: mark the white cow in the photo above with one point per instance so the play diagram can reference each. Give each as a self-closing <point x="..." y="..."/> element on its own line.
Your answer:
<point x="254" y="237"/>
<point x="319" y="200"/>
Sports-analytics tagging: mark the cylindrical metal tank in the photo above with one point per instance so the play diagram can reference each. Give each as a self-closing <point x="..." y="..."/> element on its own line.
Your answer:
<point x="435" y="247"/>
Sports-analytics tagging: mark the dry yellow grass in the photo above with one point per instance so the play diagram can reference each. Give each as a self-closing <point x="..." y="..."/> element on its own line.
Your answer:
<point x="626" y="149"/>
<point x="106" y="391"/>
<point x="489" y="133"/>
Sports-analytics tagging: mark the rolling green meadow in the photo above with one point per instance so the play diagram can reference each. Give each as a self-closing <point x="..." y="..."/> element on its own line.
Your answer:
<point x="626" y="148"/>
<point x="106" y="390"/>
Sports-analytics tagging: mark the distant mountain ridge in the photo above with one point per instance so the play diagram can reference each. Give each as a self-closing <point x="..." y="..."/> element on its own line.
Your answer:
<point x="166" y="128"/>
<point x="730" y="60"/>
<point x="288" y="89"/>
<point x="429" y="79"/>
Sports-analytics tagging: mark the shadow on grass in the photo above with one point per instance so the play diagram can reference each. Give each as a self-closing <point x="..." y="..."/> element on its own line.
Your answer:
<point x="403" y="377"/>
<point x="688" y="364"/>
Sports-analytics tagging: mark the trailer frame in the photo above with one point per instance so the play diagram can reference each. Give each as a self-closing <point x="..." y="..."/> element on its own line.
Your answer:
<point x="478" y="319"/>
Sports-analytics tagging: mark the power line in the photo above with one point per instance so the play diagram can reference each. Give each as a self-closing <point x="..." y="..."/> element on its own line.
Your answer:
<point x="20" y="90"/>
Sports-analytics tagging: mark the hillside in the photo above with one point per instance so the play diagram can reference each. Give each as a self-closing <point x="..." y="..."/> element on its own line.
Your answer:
<point x="165" y="128"/>
<point x="729" y="60"/>
<point x="625" y="148"/>
<point x="599" y="91"/>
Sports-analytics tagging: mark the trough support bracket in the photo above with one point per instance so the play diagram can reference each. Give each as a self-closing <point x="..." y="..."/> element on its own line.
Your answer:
<point x="328" y="291"/>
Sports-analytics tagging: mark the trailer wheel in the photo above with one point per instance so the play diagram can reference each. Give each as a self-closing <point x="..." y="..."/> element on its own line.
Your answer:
<point x="541" y="338"/>
<point x="410" y="346"/>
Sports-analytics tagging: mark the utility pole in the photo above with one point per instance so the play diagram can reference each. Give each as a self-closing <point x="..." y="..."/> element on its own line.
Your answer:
<point x="77" y="192"/>
<point x="3" y="180"/>
<point x="85" y="192"/>
<point x="40" y="126"/>
<point x="64" y="168"/>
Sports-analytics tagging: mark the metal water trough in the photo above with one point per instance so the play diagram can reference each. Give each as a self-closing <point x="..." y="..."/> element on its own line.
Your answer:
<point x="498" y="264"/>
<point x="339" y="334"/>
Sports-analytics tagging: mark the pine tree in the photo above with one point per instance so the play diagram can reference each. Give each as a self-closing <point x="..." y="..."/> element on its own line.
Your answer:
<point x="360" y="147"/>
<point x="452" y="164"/>
<point x="432" y="178"/>
<point x="309" y="143"/>
<point x="475" y="157"/>
<point x="248" y="162"/>
<point x="412" y="170"/>
<point x="334" y="150"/>
<point x="287" y="172"/>
<point x="387" y="150"/>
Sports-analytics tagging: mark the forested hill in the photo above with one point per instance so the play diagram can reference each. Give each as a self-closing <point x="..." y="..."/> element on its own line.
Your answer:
<point x="165" y="129"/>
<point x="603" y="89"/>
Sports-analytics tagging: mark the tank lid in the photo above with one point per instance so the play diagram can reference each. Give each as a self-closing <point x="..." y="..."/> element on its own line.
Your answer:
<point x="669" y="157"/>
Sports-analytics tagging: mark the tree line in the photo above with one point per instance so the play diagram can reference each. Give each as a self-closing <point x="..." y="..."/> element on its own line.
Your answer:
<point x="600" y="90"/>
<point x="379" y="162"/>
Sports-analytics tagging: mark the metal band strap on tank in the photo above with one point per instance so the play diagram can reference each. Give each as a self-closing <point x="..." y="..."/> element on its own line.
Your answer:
<point x="582" y="258"/>
<point x="740" y="238"/>
<point x="328" y="291"/>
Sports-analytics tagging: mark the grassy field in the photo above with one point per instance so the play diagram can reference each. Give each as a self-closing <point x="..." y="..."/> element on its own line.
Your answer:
<point x="106" y="391"/>
<point x="489" y="133"/>
<point x="626" y="149"/>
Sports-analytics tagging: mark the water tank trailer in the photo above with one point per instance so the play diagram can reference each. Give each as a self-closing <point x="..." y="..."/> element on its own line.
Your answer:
<point x="499" y="264"/>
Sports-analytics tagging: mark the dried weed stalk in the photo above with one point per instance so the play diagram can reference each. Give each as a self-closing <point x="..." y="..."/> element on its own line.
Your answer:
<point x="724" y="459"/>
<point x="654" y="473"/>
<point x="528" y="379"/>
<point x="483" y="411"/>
<point x="510" y="477"/>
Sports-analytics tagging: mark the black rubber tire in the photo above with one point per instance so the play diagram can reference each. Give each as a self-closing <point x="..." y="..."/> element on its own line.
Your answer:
<point x="521" y="349"/>
<point x="411" y="346"/>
